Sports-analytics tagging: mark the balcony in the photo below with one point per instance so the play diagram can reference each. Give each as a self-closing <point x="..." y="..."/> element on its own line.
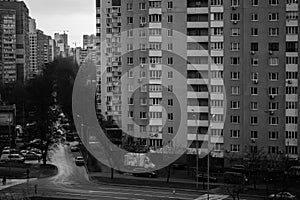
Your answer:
<point x="157" y="11"/>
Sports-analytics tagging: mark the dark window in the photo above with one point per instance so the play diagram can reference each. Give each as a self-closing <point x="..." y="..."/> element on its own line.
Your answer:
<point x="274" y="46"/>
<point x="254" y="46"/>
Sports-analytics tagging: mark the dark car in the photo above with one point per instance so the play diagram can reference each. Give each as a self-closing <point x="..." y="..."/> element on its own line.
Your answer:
<point x="141" y="172"/>
<point x="235" y="178"/>
<point x="32" y="156"/>
<point x="79" y="160"/>
<point x="204" y="177"/>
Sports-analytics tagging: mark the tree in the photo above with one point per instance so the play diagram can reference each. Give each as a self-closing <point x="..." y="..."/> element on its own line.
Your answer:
<point x="254" y="158"/>
<point x="47" y="94"/>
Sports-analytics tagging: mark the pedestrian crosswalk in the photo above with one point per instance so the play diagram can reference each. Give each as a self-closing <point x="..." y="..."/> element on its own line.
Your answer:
<point x="213" y="197"/>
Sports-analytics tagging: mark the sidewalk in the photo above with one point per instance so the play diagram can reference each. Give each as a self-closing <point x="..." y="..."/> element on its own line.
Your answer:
<point x="12" y="182"/>
<point x="179" y="184"/>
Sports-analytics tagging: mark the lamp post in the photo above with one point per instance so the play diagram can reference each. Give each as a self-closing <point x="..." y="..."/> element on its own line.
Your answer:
<point x="208" y="154"/>
<point x="197" y="150"/>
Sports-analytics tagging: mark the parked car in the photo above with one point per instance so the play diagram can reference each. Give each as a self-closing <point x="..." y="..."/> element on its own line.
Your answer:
<point x="12" y="158"/>
<point x="24" y="152"/>
<point x="79" y="160"/>
<point x="74" y="149"/>
<point x="235" y="178"/>
<point x="204" y="177"/>
<point x="32" y="156"/>
<point x="141" y="172"/>
<point x="282" y="196"/>
<point x="35" y="150"/>
<point x="10" y="151"/>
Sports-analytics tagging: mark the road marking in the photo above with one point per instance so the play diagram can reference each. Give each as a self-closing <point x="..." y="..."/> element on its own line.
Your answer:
<point x="85" y="195"/>
<point x="151" y="191"/>
<point x="213" y="197"/>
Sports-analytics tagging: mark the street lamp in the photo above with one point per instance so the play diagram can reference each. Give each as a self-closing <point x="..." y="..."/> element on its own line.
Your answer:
<point x="197" y="149"/>
<point x="208" y="154"/>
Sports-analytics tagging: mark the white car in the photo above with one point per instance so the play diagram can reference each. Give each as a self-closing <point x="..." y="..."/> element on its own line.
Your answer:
<point x="12" y="158"/>
<point x="283" y="196"/>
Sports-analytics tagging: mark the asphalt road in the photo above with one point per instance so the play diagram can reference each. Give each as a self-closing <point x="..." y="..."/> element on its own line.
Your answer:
<point x="72" y="182"/>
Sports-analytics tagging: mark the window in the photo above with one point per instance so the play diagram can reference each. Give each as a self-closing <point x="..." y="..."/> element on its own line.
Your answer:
<point x="130" y="88"/>
<point x="292" y="15"/>
<point x="291" y="120"/>
<point x="170" y="75"/>
<point x="130" y="101"/>
<point x="291" y="1"/>
<point x="235" y="17"/>
<point x="170" y="88"/>
<point x="291" y="135"/>
<point x="253" y="91"/>
<point x="170" y="46"/>
<point x="170" y="130"/>
<point x="253" y="134"/>
<point x="218" y="60"/>
<point x="235" y="133"/>
<point x="254" y="61"/>
<point x="254" y="17"/>
<point x="235" y="75"/>
<point x="170" y="102"/>
<point x="143" y="129"/>
<point x="291" y="105"/>
<point x="170" y="116"/>
<point x="273" y="2"/>
<point x="216" y="2"/>
<point x="170" y="18"/>
<point x="143" y="6"/>
<point x="130" y="74"/>
<point x="254" y="31"/>
<point x="273" y="16"/>
<point x="292" y="46"/>
<point x="254" y="2"/>
<point x="274" y="46"/>
<point x="129" y="60"/>
<point x="130" y="114"/>
<point x="234" y="147"/>
<point x="216" y="31"/>
<point x="273" y="76"/>
<point x="235" y="3"/>
<point x="235" y="119"/>
<point x="292" y="30"/>
<point x="235" y="60"/>
<point x="129" y="20"/>
<point x="217" y="46"/>
<point x="291" y="75"/>
<point x="291" y="150"/>
<point x="170" y="32"/>
<point x="235" y="105"/>
<point x="273" y="149"/>
<point x="254" y="76"/>
<point x="273" y="120"/>
<point x="143" y="101"/>
<point x="273" y="105"/>
<point x="253" y="120"/>
<point x="253" y="105"/>
<point x="129" y="47"/>
<point x="170" y="4"/>
<point x="129" y="6"/>
<point x="130" y="127"/>
<point x="274" y="61"/>
<point x="170" y="61"/>
<point x="273" y="135"/>
<point x="143" y="115"/>
<point x="143" y="47"/>
<point x="235" y="90"/>
<point x="273" y="31"/>
<point x="273" y="90"/>
<point x="130" y="33"/>
<point x="235" y="32"/>
<point x="291" y="90"/>
<point x="254" y="46"/>
<point x="217" y="16"/>
<point x="235" y="46"/>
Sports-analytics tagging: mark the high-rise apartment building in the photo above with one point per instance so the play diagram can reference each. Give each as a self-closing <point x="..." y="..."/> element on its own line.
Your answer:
<point x="33" y="49"/>
<point x="8" y="70"/>
<point x="226" y="70"/>
<point x="89" y="41"/>
<point x="61" y="41"/>
<point x="21" y="37"/>
<point x="261" y="78"/>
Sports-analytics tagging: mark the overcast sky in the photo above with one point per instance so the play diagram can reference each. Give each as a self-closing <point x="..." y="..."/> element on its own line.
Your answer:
<point x="76" y="16"/>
